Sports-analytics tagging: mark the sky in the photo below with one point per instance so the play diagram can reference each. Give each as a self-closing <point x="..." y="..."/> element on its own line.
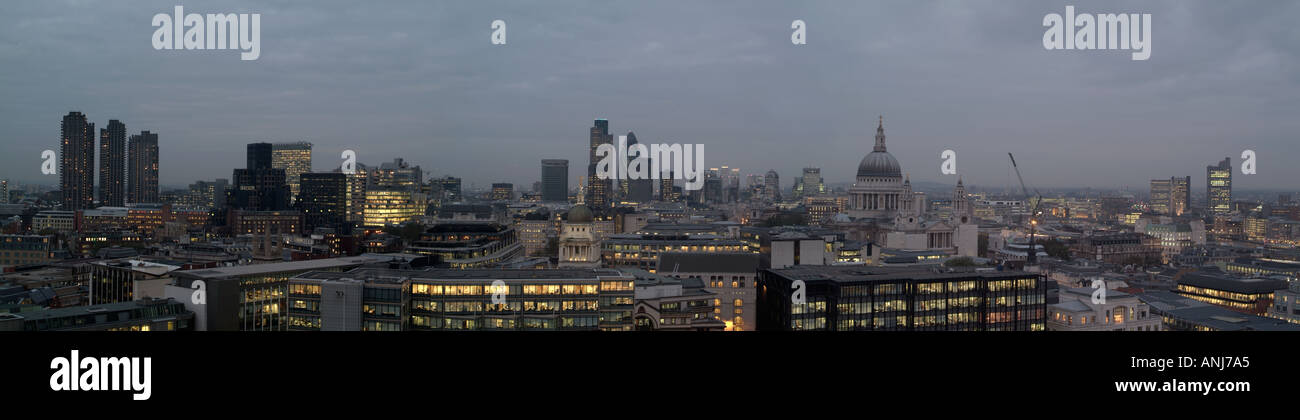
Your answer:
<point x="422" y="81"/>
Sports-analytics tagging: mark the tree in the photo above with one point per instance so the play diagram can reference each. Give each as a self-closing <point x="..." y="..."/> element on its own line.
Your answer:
<point x="960" y="262"/>
<point x="1056" y="249"/>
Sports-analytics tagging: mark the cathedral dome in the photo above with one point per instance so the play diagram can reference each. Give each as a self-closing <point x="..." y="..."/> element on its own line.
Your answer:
<point x="580" y="214"/>
<point x="879" y="163"/>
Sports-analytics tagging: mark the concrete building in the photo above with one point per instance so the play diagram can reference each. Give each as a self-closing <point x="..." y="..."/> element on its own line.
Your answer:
<point x="1121" y="311"/>
<point x="729" y="276"/>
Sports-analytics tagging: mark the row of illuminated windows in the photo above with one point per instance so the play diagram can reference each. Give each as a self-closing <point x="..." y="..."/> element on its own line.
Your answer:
<point x="1223" y="294"/>
<point x="527" y="289"/>
<point x="503" y="323"/>
<point x="526" y="306"/>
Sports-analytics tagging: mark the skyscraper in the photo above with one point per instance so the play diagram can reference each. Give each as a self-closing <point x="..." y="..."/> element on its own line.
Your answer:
<point x="772" y="186"/>
<point x="598" y="190"/>
<point x="1218" y="187"/>
<point x="112" y="164"/>
<point x="1160" y="195"/>
<point x="1180" y="195"/>
<point x="142" y="168"/>
<point x="555" y="180"/>
<point x="503" y="191"/>
<point x="4" y="191"/>
<point x="295" y="159"/>
<point x="77" y="162"/>
<point x="323" y="199"/>
<point x="810" y="183"/>
<point x="259" y="187"/>
<point x="638" y="190"/>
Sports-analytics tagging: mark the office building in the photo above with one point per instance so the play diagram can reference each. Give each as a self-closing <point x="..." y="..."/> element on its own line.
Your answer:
<point x="863" y="298"/>
<point x="642" y="251"/>
<point x="599" y="191"/>
<point x="1180" y="313"/>
<point x="139" y="315"/>
<point x="259" y="187"/>
<point x="638" y="190"/>
<point x="392" y="206"/>
<point x="810" y="183"/>
<point x="251" y="297"/>
<point x="142" y="168"/>
<point x="18" y="250"/>
<point x="729" y="276"/>
<point x="674" y="304"/>
<point x="125" y="280"/>
<point x="555" y="180"/>
<point x="112" y="164"/>
<point x="77" y="162"/>
<point x="1246" y="295"/>
<point x="322" y="200"/>
<point x="1171" y="196"/>
<point x="502" y="191"/>
<point x="369" y="299"/>
<point x="469" y="244"/>
<point x="295" y="159"/>
<point x="1218" y="187"/>
<point x="772" y="186"/>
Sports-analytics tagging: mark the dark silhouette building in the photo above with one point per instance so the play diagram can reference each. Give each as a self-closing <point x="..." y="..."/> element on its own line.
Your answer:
<point x="142" y="168"/>
<point x="555" y="180"/>
<point x="322" y="199"/>
<point x="638" y="190"/>
<point x="112" y="164"/>
<point x="77" y="162"/>
<point x="259" y="187"/>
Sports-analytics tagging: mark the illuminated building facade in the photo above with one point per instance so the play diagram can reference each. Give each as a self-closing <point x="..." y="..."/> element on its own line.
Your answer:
<point x="902" y="299"/>
<point x="502" y="191"/>
<point x="642" y="251"/>
<point x="1246" y="295"/>
<point x="1218" y="187"/>
<point x="251" y="297"/>
<point x="458" y="300"/>
<point x="295" y="159"/>
<point x="599" y="191"/>
<point x="391" y="206"/>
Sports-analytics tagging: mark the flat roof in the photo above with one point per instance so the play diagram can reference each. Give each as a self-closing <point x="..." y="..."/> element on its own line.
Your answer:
<point x="280" y="267"/>
<point x="386" y="274"/>
<point x="859" y="273"/>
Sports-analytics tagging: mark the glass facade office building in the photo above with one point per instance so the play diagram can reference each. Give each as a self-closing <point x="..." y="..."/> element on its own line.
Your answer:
<point x="899" y="299"/>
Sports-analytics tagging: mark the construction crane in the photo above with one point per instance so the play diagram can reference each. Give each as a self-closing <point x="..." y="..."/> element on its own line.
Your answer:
<point x="1031" y="257"/>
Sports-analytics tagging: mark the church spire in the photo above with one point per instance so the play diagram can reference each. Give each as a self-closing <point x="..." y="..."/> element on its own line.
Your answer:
<point x="880" y="136"/>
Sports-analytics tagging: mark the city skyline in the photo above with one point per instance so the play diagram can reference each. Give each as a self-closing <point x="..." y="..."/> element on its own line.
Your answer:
<point x="682" y="83"/>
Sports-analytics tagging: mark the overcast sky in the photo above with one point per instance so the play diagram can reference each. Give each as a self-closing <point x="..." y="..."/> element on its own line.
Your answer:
<point x="421" y="81"/>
